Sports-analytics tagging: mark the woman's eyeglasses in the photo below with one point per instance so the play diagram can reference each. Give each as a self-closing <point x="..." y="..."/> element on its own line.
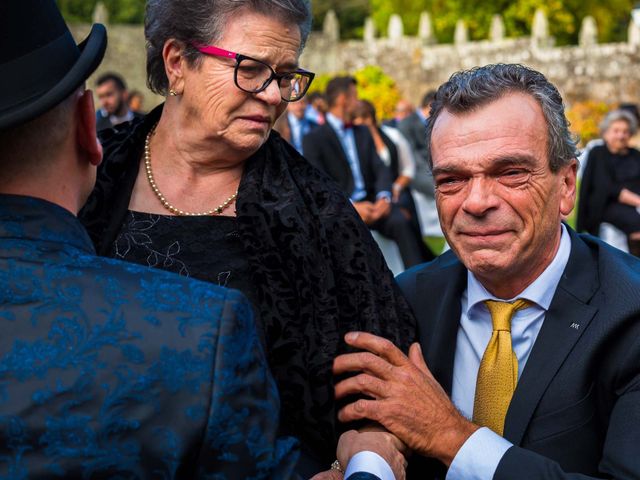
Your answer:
<point x="253" y="76"/>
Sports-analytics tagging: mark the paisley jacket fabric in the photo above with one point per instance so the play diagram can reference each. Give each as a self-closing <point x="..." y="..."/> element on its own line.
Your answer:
<point x="112" y="370"/>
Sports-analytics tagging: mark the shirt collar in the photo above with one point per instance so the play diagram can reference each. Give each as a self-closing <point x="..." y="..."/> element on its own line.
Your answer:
<point x="540" y="291"/>
<point x="335" y="122"/>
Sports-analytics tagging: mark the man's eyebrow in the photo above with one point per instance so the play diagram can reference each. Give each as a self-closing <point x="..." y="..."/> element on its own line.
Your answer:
<point x="497" y="163"/>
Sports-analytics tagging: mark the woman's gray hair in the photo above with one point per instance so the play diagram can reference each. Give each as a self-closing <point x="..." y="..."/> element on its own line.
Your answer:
<point x="616" y="115"/>
<point x="471" y="89"/>
<point x="204" y="21"/>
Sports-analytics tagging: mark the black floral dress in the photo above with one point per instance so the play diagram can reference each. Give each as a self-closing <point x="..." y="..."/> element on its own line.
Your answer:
<point x="313" y="270"/>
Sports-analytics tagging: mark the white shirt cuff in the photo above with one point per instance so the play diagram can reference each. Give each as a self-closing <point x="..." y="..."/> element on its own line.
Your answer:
<point x="479" y="456"/>
<point x="369" y="462"/>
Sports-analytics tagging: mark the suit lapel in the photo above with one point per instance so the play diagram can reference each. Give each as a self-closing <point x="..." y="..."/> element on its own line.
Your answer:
<point x="336" y="146"/>
<point x="437" y="308"/>
<point x="568" y="317"/>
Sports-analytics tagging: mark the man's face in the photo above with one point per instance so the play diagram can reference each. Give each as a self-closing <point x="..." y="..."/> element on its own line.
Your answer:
<point x="499" y="204"/>
<point x="111" y="98"/>
<point x="350" y="101"/>
<point x="298" y="108"/>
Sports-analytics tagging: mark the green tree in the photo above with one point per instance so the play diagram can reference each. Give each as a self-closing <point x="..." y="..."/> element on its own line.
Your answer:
<point x="350" y="13"/>
<point x="565" y="16"/>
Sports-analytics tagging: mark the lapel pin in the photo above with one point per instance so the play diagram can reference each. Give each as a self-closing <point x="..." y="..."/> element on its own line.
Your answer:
<point x="575" y="326"/>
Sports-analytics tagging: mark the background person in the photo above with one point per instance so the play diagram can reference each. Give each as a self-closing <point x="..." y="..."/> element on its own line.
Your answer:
<point x="109" y="370"/>
<point x="610" y="188"/>
<point x="113" y="97"/>
<point x="348" y="154"/>
<point x="203" y="187"/>
<point x="528" y="364"/>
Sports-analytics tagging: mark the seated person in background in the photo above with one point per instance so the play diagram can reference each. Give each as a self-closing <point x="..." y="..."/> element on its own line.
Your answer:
<point x="109" y="370"/>
<point x="113" y="97"/>
<point x="528" y="365"/>
<point x="395" y="152"/>
<point x="610" y="188"/>
<point x="347" y="153"/>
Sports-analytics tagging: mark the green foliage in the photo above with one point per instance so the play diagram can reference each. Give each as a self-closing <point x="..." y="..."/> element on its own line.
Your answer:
<point x="351" y="15"/>
<point x="565" y="16"/>
<point x="77" y="11"/>
<point x="585" y="117"/>
<point x="373" y="85"/>
<point x="120" y="11"/>
<point x="379" y="88"/>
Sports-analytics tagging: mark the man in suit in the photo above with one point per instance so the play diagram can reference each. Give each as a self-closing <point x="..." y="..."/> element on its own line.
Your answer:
<point x="414" y="128"/>
<point x="113" y="96"/>
<point x="347" y="153"/>
<point x="299" y="124"/>
<point x="107" y="369"/>
<point x="528" y="364"/>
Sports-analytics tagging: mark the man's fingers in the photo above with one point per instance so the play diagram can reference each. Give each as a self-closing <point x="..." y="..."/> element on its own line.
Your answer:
<point x="416" y="357"/>
<point x="378" y="345"/>
<point x="362" y="362"/>
<point x="360" y="409"/>
<point x="363" y="383"/>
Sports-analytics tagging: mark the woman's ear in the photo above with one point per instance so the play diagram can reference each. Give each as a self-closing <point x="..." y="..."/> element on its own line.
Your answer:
<point x="174" y="64"/>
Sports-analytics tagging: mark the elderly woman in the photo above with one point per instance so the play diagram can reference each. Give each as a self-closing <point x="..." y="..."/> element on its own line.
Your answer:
<point x="203" y="187"/>
<point x="610" y="189"/>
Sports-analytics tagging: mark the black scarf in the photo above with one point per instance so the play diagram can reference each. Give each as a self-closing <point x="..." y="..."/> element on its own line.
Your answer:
<point x="317" y="271"/>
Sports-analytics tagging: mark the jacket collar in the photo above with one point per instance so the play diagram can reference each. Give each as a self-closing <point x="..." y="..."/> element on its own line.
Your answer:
<point x="30" y="218"/>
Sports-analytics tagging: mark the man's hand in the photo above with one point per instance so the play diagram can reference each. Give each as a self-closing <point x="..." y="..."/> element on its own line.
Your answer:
<point x="385" y="444"/>
<point x="328" y="475"/>
<point x="381" y="209"/>
<point x="406" y="399"/>
<point x="365" y="210"/>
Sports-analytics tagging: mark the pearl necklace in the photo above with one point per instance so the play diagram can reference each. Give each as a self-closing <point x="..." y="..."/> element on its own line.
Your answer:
<point x="176" y="211"/>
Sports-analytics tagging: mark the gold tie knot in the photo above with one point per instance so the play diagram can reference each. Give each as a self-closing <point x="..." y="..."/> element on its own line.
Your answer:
<point x="502" y="312"/>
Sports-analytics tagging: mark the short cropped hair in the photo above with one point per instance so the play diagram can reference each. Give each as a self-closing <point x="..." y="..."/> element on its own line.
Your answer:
<point x="336" y="87"/>
<point x="471" y="89"/>
<point x="204" y="21"/>
<point x="112" y="77"/>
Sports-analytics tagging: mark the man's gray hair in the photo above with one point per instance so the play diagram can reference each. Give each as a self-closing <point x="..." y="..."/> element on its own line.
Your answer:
<point x="204" y="21"/>
<point x="470" y="90"/>
<point x="616" y="115"/>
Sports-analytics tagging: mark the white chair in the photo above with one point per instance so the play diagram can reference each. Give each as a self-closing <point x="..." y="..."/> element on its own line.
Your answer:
<point x="613" y="236"/>
<point x="390" y="252"/>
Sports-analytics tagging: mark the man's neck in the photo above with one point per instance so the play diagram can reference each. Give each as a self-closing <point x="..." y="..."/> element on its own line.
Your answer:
<point x="339" y="113"/>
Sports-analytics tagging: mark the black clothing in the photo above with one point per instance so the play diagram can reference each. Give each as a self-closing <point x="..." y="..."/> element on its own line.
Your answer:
<point x="316" y="270"/>
<point x="605" y="175"/>
<point x="323" y="149"/>
<point x="184" y="245"/>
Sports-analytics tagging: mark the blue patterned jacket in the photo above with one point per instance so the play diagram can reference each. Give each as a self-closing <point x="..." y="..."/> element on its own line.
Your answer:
<point x="112" y="370"/>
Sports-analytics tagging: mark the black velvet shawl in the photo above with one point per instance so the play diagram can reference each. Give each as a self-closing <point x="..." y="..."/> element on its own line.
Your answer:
<point x="317" y="271"/>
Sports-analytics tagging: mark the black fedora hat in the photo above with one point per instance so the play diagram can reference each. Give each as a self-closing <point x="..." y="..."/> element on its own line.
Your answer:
<point x="40" y="63"/>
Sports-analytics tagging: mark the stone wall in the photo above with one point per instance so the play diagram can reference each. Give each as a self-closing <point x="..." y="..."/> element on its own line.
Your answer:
<point x="605" y="72"/>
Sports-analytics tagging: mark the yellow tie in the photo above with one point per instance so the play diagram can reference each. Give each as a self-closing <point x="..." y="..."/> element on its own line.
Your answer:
<point x="498" y="372"/>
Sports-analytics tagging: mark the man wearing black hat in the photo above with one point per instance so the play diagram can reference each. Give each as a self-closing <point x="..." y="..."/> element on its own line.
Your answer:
<point x="107" y="370"/>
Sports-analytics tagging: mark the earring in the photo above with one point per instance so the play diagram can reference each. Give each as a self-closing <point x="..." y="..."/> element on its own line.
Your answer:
<point x="173" y="93"/>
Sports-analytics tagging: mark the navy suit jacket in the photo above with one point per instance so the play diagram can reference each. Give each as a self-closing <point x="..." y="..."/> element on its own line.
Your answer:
<point x="575" y="413"/>
<point x="323" y="149"/>
<point x="113" y="370"/>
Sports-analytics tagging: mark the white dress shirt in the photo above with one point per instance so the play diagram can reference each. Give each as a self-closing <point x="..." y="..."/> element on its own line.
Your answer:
<point x="348" y="142"/>
<point x="479" y="456"/>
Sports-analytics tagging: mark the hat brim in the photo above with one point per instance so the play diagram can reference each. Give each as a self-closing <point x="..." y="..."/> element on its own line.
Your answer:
<point x="92" y="51"/>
